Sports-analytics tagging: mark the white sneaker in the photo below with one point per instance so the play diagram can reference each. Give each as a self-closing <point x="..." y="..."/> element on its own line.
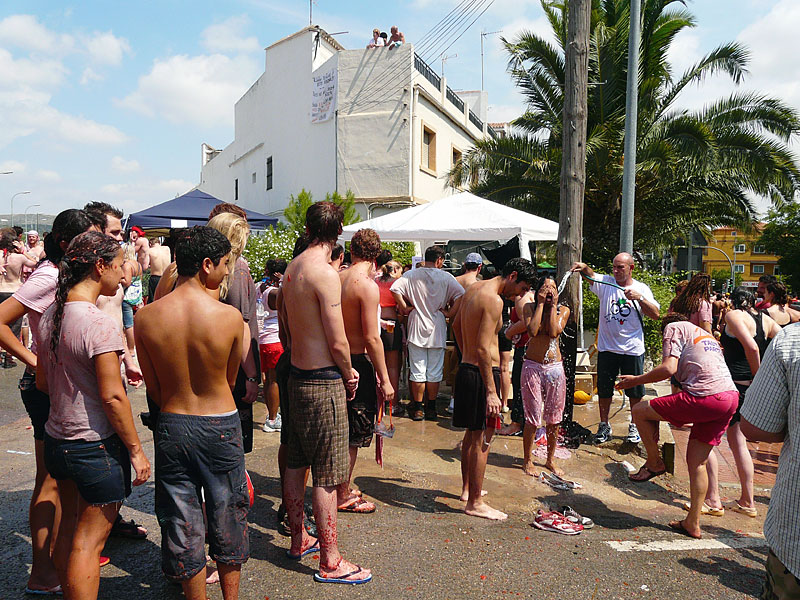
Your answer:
<point x="450" y="406"/>
<point x="633" y="435"/>
<point x="271" y="426"/>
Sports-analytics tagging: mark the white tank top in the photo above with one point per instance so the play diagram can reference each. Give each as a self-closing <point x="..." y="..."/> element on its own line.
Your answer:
<point x="269" y="330"/>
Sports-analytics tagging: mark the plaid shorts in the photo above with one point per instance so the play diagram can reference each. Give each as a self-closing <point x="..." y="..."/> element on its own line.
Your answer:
<point x="779" y="582"/>
<point x="319" y="428"/>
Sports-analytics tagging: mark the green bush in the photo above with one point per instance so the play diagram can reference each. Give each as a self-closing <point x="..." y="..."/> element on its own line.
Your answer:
<point x="663" y="288"/>
<point x="402" y="252"/>
<point x="275" y="242"/>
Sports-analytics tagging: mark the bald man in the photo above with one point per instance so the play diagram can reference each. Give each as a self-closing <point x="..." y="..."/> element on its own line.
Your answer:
<point x="620" y="335"/>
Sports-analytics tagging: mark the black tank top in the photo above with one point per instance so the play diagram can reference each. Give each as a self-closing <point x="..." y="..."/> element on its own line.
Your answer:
<point x="734" y="354"/>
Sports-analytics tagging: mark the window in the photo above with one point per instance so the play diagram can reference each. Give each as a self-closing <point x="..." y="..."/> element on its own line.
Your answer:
<point x="776" y="270"/>
<point x="739" y="248"/>
<point x="428" y="158"/>
<point x="254" y="177"/>
<point x="733" y="234"/>
<point x="758" y="249"/>
<point x="235" y="190"/>
<point x="456" y="156"/>
<point x="758" y="269"/>
<point x="269" y="173"/>
<point x="738" y="268"/>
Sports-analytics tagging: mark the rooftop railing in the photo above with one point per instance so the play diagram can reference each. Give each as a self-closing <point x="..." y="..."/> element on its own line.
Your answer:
<point x="421" y="66"/>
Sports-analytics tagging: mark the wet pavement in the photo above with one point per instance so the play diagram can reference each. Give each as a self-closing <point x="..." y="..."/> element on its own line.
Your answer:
<point x="419" y="544"/>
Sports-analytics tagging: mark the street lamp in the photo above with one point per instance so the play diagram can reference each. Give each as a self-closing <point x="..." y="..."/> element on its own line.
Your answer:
<point x="732" y="263"/>
<point x="26" y="214"/>
<point x="12" y="204"/>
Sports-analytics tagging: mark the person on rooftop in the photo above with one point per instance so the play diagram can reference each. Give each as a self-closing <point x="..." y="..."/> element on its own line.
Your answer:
<point x="396" y="38"/>
<point x="377" y="41"/>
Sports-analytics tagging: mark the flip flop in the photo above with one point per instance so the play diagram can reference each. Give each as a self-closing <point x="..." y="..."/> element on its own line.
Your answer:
<point x="311" y="550"/>
<point x="705" y="509"/>
<point x="128" y="529"/>
<point x="358" y="505"/>
<point x="678" y="526"/>
<point x="53" y="591"/>
<point x="344" y="578"/>
<point x="650" y="475"/>
<point x="104" y="560"/>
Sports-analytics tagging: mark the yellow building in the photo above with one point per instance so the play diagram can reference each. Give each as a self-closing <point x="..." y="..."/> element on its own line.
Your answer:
<point x="750" y="259"/>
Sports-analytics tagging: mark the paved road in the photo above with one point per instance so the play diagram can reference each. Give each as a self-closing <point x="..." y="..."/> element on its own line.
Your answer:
<point x="419" y="544"/>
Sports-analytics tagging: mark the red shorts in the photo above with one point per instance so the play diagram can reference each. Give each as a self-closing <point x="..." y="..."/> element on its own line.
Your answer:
<point x="270" y="353"/>
<point x="709" y="415"/>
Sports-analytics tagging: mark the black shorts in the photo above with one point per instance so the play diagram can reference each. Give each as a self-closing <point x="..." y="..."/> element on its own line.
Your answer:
<point x="362" y="410"/>
<point x="737" y="416"/>
<point x="100" y="469"/>
<point x="392" y="341"/>
<point x="152" y="284"/>
<point x="245" y="410"/>
<point x="16" y="326"/>
<point x="469" y="397"/>
<point x="36" y="402"/>
<point x="611" y="364"/>
<point x="505" y="344"/>
<point x="282" y="370"/>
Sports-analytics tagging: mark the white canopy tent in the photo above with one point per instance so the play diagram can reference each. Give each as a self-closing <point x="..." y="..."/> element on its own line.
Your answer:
<point x="462" y="216"/>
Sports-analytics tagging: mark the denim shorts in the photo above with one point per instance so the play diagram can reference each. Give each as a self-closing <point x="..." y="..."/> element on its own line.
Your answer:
<point x="127" y="315"/>
<point x="36" y="402"/>
<point x="193" y="453"/>
<point x="100" y="469"/>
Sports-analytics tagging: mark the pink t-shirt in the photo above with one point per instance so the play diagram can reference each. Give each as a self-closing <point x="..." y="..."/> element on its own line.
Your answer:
<point x="37" y="294"/>
<point x="76" y="409"/>
<point x="703" y="314"/>
<point x="701" y="367"/>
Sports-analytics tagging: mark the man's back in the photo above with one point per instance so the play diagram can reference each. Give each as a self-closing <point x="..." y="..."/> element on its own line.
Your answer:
<point x="480" y="302"/>
<point x="11" y="279"/>
<point x="308" y="279"/>
<point x="429" y="290"/>
<point x="356" y="286"/>
<point x="159" y="259"/>
<point x="467" y="279"/>
<point x="193" y="346"/>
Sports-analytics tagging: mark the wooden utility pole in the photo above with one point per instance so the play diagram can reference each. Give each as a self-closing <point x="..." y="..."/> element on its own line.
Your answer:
<point x="573" y="175"/>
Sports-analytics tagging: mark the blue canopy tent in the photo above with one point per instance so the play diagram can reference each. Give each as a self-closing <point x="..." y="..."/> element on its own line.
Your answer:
<point x="185" y="211"/>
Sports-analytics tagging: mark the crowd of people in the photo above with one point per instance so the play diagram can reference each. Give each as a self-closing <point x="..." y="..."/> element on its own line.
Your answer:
<point x="328" y="334"/>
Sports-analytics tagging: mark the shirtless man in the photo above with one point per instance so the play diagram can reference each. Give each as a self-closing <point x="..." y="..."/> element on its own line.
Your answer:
<point x="320" y="374"/>
<point x="14" y="260"/>
<point x="477" y="405"/>
<point x="396" y="38"/>
<point x="543" y="381"/>
<point x="360" y="300"/>
<point x="473" y="264"/>
<point x="190" y="375"/>
<point x="141" y="246"/>
<point x="159" y="257"/>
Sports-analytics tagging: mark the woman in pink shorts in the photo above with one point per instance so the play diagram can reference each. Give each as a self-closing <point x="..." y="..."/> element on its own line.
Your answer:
<point x="708" y="399"/>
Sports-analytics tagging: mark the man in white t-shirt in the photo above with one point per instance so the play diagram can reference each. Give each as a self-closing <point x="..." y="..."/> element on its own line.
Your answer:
<point x="427" y="295"/>
<point x="620" y="335"/>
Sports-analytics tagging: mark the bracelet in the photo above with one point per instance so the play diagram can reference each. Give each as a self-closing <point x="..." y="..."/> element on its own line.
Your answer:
<point x="253" y="379"/>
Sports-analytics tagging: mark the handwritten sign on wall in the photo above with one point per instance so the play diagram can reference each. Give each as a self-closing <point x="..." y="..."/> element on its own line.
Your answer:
<point x="323" y="96"/>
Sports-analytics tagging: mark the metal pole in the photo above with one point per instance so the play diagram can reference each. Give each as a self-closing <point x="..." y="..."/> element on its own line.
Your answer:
<point x="481" y="61"/>
<point x="689" y="256"/>
<point x="12" y="205"/>
<point x="37" y="221"/>
<point x="631" y="116"/>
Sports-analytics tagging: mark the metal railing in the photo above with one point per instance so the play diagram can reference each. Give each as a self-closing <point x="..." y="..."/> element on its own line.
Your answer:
<point x="421" y="66"/>
<point x="475" y="120"/>
<point x="453" y="97"/>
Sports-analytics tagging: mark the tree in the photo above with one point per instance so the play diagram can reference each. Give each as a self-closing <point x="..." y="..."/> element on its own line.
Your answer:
<point x="722" y="278"/>
<point x="295" y="211"/>
<point x="781" y="236"/>
<point x="693" y="168"/>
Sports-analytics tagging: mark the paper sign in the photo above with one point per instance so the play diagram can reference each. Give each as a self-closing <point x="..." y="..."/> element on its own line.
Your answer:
<point x="323" y="96"/>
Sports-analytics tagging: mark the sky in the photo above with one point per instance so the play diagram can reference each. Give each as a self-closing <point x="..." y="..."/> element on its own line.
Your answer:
<point x="112" y="101"/>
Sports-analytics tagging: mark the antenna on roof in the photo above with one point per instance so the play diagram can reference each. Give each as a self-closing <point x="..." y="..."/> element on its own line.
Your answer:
<point x="311" y="4"/>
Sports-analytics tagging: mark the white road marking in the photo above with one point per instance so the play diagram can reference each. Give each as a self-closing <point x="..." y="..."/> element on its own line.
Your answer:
<point x="18" y="452"/>
<point x="721" y="543"/>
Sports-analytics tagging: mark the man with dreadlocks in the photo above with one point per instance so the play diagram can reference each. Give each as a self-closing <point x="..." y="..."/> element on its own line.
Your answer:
<point x="694" y="301"/>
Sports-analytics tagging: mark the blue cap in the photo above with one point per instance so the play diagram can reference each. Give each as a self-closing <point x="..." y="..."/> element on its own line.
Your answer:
<point x="474" y="258"/>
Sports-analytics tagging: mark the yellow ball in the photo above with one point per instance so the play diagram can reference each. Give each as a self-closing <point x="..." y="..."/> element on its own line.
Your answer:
<point x="582" y="397"/>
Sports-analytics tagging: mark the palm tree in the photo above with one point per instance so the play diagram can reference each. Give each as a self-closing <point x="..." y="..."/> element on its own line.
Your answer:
<point x="693" y="168"/>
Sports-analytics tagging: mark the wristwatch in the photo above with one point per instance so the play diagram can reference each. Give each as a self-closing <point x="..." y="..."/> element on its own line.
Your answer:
<point x="253" y="379"/>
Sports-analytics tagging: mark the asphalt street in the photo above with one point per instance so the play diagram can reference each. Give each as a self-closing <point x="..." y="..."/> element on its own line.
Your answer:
<point x="419" y="544"/>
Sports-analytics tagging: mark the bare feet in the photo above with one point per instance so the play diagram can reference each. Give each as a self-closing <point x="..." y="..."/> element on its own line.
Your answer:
<point x="552" y="467"/>
<point x="345" y="570"/>
<point x="212" y="574"/>
<point x="308" y="542"/>
<point x="465" y="495"/>
<point x="511" y="429"/>
<point x="530" y="469"/>
<point x="486" y="512"/>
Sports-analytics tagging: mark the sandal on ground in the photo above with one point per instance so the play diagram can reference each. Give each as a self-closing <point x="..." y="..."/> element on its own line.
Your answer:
<point x="310" y="550"/>
<point x="645" y="474"/>
<point x="104" y="560"/>
<point x="748" y="511"/>
<point x="52" y="591"/>
<point x="705" y="509"/>
<point x="128" y="529"/>
<point x="346" y="578"/>
<point x="679" y="527"/>
<point x="358" y="505"/>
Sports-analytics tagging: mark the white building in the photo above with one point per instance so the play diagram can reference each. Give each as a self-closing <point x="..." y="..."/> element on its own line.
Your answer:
<point x="394" y="129"/>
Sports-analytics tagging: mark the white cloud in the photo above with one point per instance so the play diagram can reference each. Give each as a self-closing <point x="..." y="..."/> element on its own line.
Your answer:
<point x="13" y="165"/>
<point x="229" y="37"/>
<point x="30" y="73"/>
<point x="195" y="89"/>
<point x="124" y="166"/>
<point x="25" y="32"/>
<point x="47" y="175"/>
<point x="106" y="49"/>
<point x="90" y="75"/>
